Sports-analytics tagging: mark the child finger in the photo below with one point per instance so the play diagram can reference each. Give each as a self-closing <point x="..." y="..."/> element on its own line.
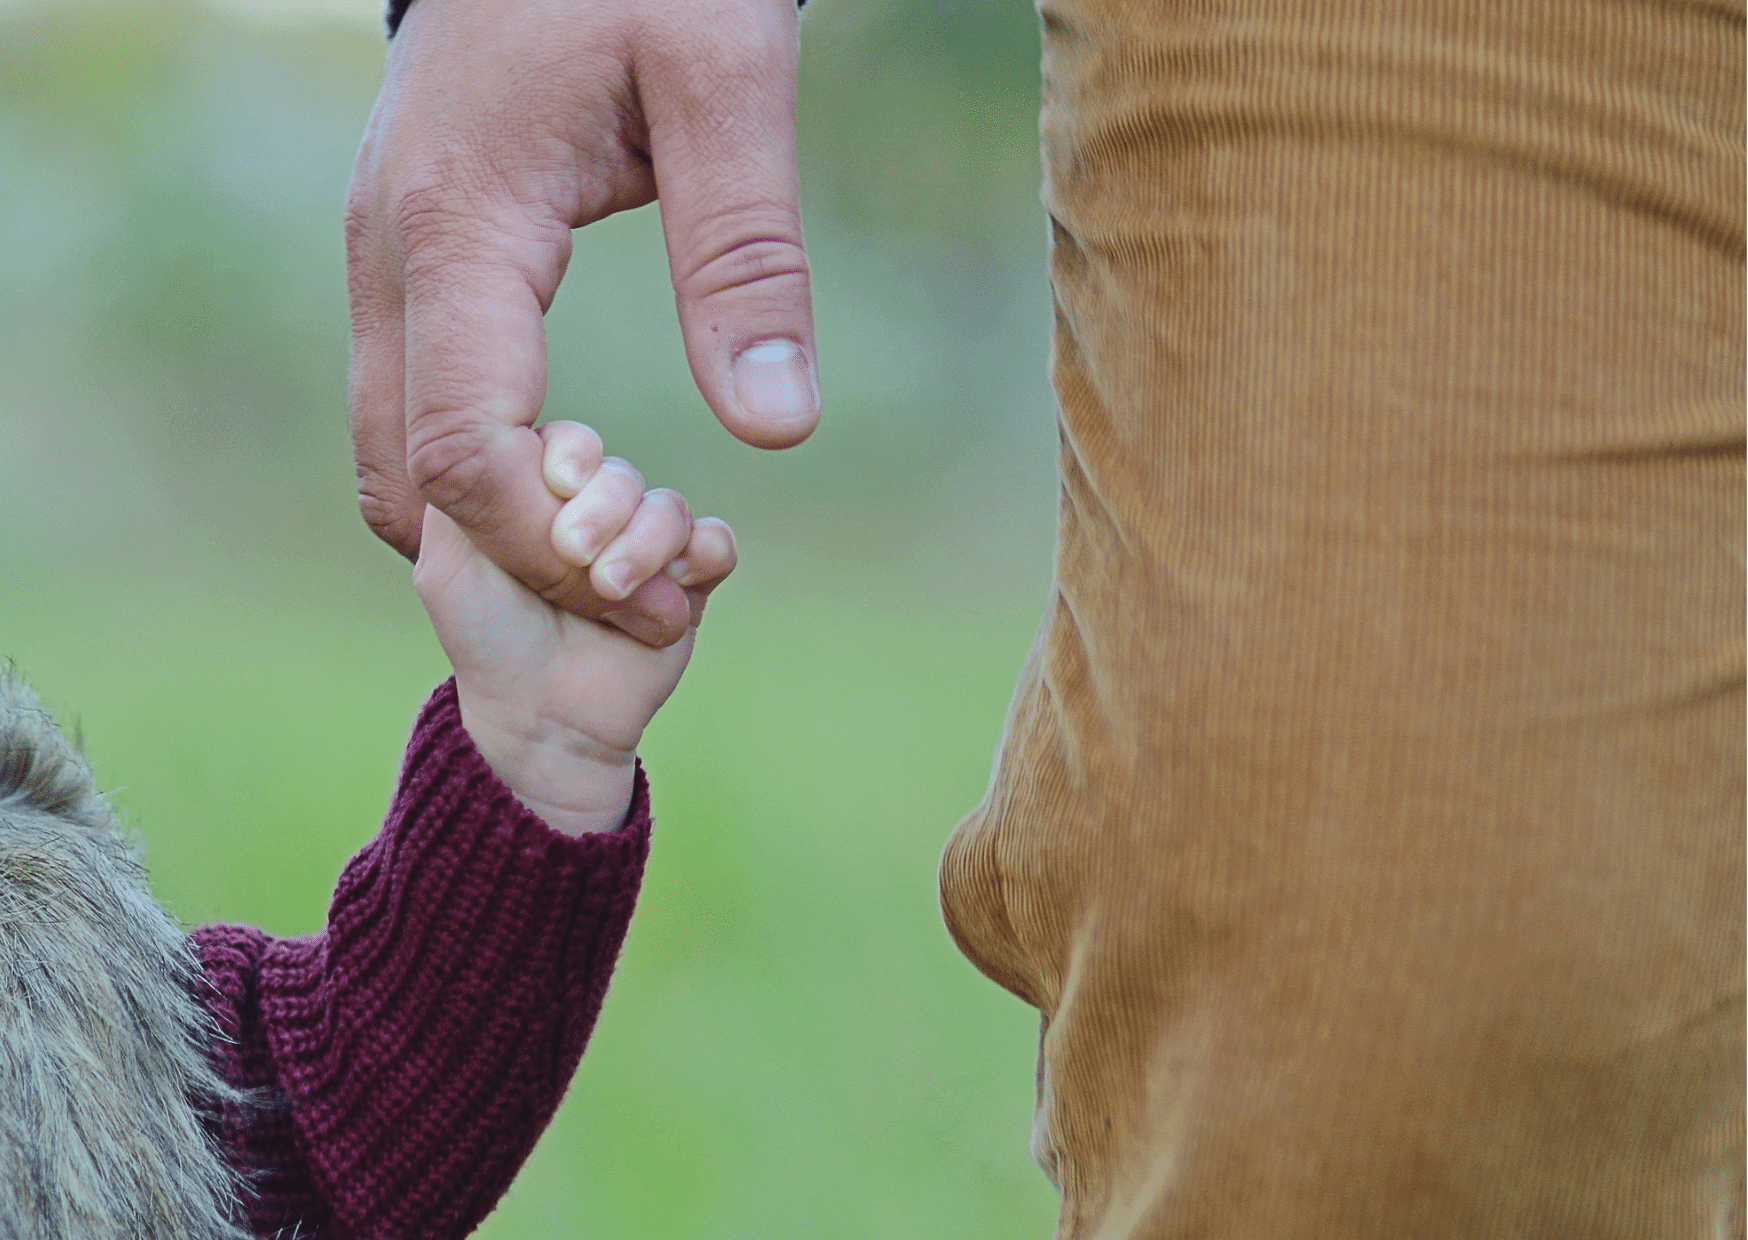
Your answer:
<point x="656" y="533"/>
<point x="570" y="455"/>
<point x="594" y="516"/>
<point x="709" y="556"/>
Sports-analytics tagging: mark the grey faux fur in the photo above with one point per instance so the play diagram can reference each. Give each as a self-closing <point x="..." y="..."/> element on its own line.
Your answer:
<point x="104" y="1075"/>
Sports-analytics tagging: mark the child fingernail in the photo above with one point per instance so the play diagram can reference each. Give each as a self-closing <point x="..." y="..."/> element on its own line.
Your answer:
<point x="618" y="577"/>
<point x="563" y="478"/>
<point x="580" y="540"/>
<point x="678" y="570"/>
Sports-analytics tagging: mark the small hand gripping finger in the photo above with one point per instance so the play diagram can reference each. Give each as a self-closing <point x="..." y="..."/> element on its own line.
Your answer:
<point x="627" y="536"/>
<point x="657" y="531"/>
<point x="593" y="517"/>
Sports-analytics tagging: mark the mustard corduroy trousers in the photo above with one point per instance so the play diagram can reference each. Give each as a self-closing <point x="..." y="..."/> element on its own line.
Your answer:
<point x="1368" y="827"/>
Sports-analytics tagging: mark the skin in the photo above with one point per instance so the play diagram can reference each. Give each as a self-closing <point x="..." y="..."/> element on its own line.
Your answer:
<point x="501" y="126"/>
<point x="557" y="704"/>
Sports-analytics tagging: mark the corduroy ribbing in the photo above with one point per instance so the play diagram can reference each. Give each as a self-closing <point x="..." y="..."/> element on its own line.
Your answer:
<point x="412" y="1053"/>
<point x="1368" y="826"/>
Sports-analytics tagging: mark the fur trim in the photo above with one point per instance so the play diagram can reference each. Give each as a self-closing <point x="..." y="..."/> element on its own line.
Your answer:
<point x="106" y="1085"/>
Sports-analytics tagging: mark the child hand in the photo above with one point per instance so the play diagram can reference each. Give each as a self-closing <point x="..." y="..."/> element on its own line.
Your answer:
<point x="557" y="704"/>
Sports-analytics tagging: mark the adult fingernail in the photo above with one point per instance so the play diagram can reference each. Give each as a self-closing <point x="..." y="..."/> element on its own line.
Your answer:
<point x="635" y="625"/>
<point x="774" y="382"/>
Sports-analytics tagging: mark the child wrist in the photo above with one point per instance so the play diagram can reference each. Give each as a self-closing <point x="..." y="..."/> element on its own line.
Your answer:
<point x="575" y="783"/>
<point x="578" y="822"/>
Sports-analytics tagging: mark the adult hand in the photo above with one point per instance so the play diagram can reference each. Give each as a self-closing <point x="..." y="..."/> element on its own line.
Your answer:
<point x="501" y="126"/>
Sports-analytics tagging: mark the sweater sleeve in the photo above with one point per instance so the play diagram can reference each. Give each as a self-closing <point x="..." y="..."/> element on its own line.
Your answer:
<point x="407" y="1058"/>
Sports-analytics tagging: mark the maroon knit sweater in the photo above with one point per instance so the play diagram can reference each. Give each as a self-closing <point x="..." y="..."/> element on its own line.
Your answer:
<point x="412" y="1052"/>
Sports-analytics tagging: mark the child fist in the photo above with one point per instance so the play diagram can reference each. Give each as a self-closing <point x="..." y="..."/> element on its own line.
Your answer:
<point x="557" y="704"/>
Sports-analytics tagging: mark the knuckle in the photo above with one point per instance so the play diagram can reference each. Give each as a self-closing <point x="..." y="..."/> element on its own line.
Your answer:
<point x="671" y="501"/>
<point x="570" y="430"/>
<point x="387" y="514"/>
<point x="371" y="288"/>
<point x="757" y="257"/>
<point x="359" y="233"/>
<point x="717" y="531"/>
<point x="428" y="237"/>
<point x="465" y="213"/>
<point x="582" y="443"/>
<point x="573" y="442"/>
<point x="362" y="218"/>
<point x="447" y="464"/>
<point x="433" y="203"/>
<point x="441" y="215"/>
<point x="627" y="474"/>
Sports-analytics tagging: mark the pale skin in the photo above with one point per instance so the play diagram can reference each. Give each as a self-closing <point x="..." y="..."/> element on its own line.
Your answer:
<point x="501" y="126"/>
<point x="557" y="704"/>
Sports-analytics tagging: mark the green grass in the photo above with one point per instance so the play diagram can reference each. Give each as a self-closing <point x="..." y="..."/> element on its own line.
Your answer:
<point x="792" y="1047"/>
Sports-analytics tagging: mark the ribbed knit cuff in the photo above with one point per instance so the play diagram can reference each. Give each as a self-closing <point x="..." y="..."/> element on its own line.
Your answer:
<point x="426" y="1039"/>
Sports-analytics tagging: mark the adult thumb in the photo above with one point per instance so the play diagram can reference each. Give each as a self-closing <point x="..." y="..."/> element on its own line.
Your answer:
<point x="721" y="118"/>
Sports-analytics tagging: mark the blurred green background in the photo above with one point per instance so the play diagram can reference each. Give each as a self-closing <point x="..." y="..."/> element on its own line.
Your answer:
<point x="792" y="1047"/>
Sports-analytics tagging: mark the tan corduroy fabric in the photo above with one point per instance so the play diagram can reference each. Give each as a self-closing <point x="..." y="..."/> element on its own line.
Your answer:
<point x="1369" y="824"/>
